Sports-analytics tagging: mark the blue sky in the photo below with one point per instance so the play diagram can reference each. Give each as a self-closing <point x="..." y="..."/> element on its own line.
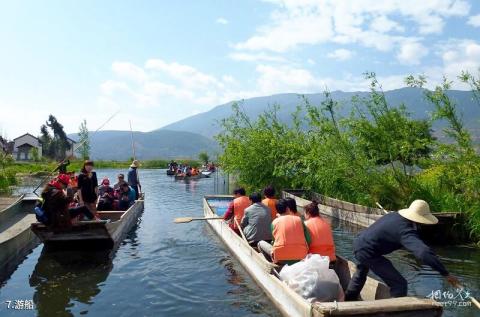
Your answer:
<point x="160" y="61"/>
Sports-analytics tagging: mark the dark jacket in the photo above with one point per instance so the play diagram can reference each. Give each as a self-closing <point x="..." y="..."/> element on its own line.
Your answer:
<point x="55" y="204"/>
<point x="392" y="232"/>
<point x="132" y="176"/>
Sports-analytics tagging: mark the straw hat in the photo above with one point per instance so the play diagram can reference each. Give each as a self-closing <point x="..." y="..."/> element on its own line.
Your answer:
<point x="419" y="211"/>
<point x="135" y="163"/>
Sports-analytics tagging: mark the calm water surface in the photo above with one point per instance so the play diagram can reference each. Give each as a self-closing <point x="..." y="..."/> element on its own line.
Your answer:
<point x="163" y="269"/>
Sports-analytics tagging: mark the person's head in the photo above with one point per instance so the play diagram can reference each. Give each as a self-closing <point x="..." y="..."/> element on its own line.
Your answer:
<point x="419" y="213"/>
<point x="106" y="182"/>
<point x="125" y="187"/>
<point x="63" y="180"/>
<point x="291" y="205"/>
<point x="121" y="177"/>
<point x="311" y="210"/>
<point x="238" y="192"/>
<point x="87" y="166"/>
<point x="255" y="198"/>
<point x="269" y="192"/>
<point x="281" y="207"/>
<point x="135" y="164"/>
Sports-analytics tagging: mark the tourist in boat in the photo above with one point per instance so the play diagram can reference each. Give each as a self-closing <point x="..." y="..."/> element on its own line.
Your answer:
<point x="88" y="187"/>
<point x="106" y="194"/>
<point x="270" y="201"/>
<point x="292" y="206"/>
<point x="256" y="222"/>
<point x="391" y="232"/>
<point x="127" y="197"/>
<point x="55" y="205"/>
<point x="290" y="237"/>
<point x="120" y="181"/>
<point x="236" y="209"/>
<point x="320" y="233"/>
<point x="133" y="179"/>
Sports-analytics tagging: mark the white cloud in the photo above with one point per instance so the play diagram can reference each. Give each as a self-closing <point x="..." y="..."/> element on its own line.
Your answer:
<point x="129" y="70"/>
<point x="474" y="20"/>
<point x="367" y="22"/>
<point x="411" y="53"/>
<point x="248" y="57"/>
<point x="221" y="20"/>
<point x="460" y="55"/>
<point x="341" y="54"/>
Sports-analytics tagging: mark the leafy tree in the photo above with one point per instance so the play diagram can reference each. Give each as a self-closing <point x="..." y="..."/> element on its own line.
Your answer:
<point x="54" y="146"/>
<point x="34" y="154"/>
<point x="203" y="157"/>
<point x="83" y="138"/>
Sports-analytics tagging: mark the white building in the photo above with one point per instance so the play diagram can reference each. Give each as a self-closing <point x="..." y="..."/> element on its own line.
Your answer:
<point x="23" y="145"/>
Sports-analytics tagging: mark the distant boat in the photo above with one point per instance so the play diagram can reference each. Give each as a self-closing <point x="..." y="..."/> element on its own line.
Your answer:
<point x="185" y="177"/>
<point x="104" y="234"/>
<point x="207" y="173"/>
<point x="170" y="173"/>
<point x="376" y="295"/>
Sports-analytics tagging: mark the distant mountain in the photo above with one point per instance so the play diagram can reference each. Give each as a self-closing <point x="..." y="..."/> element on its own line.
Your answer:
<point x="207" y="125"/>
<point x="164" y="144"/>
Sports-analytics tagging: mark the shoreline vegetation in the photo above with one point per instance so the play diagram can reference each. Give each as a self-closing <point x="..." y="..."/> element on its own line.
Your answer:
<point x="378" y="153"/>
<point x="11" y="171"/>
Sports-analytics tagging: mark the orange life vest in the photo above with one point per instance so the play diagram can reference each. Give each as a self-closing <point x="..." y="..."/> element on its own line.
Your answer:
<point x="321" y="237"/>
<point x="239" y="205"/>
<point x="289" y="235"/>
<point x="270" y="203"/>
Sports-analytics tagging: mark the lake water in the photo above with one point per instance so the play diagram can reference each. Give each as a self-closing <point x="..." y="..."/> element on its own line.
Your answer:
<point x="166" y="269"/>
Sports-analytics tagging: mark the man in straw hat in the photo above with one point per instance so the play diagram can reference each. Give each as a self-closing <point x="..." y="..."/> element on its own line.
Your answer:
<point x="133" y="179"/>
<point x="391" y="232"/>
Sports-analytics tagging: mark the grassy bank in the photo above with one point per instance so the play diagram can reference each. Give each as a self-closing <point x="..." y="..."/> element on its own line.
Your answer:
<point x="11" y="172"/>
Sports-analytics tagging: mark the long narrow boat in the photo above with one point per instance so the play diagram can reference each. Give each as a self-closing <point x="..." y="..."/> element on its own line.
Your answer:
<point x="364" y="216"/>
<point x="170" y="173"/>
<point x="16" y="239"/>
<point x="185" y="177"/>
<point x="104" y="234"/>
<point x="375" y="295"/>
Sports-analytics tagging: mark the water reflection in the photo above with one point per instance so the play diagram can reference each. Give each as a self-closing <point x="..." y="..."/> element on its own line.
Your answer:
<point x="62" y="278"/>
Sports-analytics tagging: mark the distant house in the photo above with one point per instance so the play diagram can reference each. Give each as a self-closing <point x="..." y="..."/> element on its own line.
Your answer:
<point x="71" y="152"/>
<point x="23" y="145"/>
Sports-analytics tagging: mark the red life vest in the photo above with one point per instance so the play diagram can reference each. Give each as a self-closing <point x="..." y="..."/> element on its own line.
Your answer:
<point x="289" y="235"/>
<point x="239" y="205"/>
<point x="270" y="203"/>
<point x="321" y="237"/>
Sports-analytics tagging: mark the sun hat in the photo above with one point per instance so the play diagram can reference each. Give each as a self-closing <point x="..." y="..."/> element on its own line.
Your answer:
<point x="135" y="163"/>
<point x="419" y="211"/>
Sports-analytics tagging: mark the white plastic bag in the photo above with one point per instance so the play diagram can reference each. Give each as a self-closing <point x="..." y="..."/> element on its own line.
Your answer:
<point x="312" y="279"/>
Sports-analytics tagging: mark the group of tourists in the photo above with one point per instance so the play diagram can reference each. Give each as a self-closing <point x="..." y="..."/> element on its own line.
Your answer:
<point x="68" y="198"/>
<point x="284" y="236"/>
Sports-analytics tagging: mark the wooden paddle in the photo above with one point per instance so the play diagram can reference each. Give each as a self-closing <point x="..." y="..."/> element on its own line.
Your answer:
<point x="240" y="229"/>
<point x="190" y="219"/>
<point x="381" y="207"/>
<point x="470" y="297"/>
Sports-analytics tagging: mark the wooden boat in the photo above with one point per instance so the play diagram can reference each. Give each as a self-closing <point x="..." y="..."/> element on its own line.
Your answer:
<point x="364" y="216"/>
<point x="375" y="295"/>
<point x="104" y="234"/>
<point x="170" y="173"/>
<point x="16" y="239"/>
<point x="185" y="177"/>
<point x="207" y="173"/>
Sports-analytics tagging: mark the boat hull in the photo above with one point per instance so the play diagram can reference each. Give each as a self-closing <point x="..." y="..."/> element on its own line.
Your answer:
<point x="289" y="303"/>
<point x="16" y="238"/>
<point x="95" y="235"/>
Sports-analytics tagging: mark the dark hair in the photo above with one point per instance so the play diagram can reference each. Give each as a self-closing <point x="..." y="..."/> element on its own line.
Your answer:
<point x="86" y="163"/>
<point x="240" y="191"/>
<point x="291" y="204"/>
<point x="124" y="184"/>
<point x="255" y="197"/>
<point x="269" y="191"/>
<point x="312" y="209"/>
<point x="281" y="206"/>
<point x="120" y="175"/>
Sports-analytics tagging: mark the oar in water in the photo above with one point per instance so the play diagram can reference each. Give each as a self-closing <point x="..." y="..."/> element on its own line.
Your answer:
<point x="190" y="219"/>
<point x="470" y="297"/>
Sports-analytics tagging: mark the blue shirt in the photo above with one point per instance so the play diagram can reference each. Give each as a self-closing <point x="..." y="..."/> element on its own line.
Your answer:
<point x="132" y="177"/>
